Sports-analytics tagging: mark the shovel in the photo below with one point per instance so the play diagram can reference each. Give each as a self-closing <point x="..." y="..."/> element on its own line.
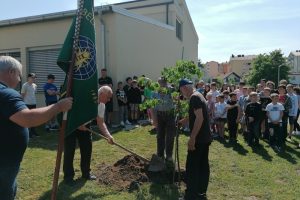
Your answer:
<point x="122" y="147"/>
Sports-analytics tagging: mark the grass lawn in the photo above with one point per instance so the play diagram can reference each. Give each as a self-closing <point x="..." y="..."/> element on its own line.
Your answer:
<point x="237" y="172"/>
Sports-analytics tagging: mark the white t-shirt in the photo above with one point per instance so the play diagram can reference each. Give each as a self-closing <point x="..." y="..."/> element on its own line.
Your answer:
<point x="29" y="90"/>
<point x="220" y="110"/>
<point x="294" y="109"/>
<point x="274" y="111"/>
<point x="101" y="110"/>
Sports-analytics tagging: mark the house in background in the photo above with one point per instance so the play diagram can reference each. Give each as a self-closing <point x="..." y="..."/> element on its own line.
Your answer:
<point x="241" y="64"/>
<point x="294" y="60"/>
<point x="215" y="70"/>
<point x="232" y="78"/>
<point x="132" y="38"/>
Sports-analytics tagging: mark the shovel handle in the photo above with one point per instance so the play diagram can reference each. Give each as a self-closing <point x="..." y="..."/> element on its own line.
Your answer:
<point x="120" y="146"/>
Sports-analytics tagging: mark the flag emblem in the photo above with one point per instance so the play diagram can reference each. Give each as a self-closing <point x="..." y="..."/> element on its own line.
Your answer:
<point x="85" y="63"/>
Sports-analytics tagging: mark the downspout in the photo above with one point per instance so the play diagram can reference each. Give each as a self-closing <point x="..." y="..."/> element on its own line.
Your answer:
<point x="167" y="14"/>
<point x="102" y="39"/>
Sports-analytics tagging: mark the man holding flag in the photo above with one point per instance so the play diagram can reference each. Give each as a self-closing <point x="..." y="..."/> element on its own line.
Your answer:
<point x="15" y="117"/>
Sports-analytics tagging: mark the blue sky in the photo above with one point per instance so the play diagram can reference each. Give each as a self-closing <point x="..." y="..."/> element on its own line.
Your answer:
<point x="224" y="27"/>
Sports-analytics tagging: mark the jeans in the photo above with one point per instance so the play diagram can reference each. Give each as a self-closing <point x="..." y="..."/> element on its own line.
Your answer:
<point x="8" y="184"/>
<point x="32" y="129"/>
<point x="85" y="145"/>
<point x="123" y="112"/>
<point x="197" y="172"/>
<point x="254" y="132"/>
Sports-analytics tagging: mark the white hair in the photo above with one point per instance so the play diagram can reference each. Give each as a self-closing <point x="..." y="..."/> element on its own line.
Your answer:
<point x="105" y="90"/>
<point x="9" y="63"/>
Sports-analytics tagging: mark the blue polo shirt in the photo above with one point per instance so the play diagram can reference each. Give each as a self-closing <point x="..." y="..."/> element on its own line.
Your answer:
<point x="13" y="138"/>
<point x="50" y="98"/>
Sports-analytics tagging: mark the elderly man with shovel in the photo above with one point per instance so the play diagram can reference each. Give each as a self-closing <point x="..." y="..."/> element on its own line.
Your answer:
<point x="83" y="135"/>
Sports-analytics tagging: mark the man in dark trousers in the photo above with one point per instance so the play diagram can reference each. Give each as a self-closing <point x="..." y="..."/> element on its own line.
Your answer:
<point x="197" y="164"/>
<point x="84" y="138"/>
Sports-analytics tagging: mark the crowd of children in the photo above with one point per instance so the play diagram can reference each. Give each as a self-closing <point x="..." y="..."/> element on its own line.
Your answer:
<point x="261" y="113"/>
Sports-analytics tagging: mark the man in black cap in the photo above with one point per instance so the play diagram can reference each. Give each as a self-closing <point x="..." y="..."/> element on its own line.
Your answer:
<point x="197" y="164"/>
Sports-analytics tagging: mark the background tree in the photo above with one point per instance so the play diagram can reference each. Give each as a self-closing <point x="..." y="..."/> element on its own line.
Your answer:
<point x="182" y="69"/>
<point x="266" y="66"/>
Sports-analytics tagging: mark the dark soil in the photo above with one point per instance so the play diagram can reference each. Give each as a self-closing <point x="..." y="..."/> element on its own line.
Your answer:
<point x="130" y="172"/>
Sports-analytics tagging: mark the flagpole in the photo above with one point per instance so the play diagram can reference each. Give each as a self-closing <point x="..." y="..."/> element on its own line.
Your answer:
<point x="68" y="94"/>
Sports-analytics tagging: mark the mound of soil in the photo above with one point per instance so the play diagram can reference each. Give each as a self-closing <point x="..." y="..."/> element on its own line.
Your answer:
<point x="130" y="172"/>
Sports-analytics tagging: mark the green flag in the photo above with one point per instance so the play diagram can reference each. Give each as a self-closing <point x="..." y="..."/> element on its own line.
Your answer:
<point x="84" y="87"/>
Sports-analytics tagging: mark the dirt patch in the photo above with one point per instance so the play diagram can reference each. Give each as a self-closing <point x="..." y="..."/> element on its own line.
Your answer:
<point x="130" y="172"/>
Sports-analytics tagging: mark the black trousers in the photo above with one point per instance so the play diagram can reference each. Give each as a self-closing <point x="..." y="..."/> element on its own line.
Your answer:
<point x="277" y="137"/>
<point x="232" y="128"/>
<point x="165" y="133"/>
<point x="296" y="125"/>
<point x="84" y="139"/>
<point x="32" y="129"/>
<point x="254" y="132"/>
<point x="197" y="172"/>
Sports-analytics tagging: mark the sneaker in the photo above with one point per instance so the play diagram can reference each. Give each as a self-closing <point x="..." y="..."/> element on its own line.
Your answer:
<point x="122" y="123"/>
<point x="54" y="128"/>
<point x="90" y="177"/>
<point x="294" y="133"/>
<point x="127" y="122"/>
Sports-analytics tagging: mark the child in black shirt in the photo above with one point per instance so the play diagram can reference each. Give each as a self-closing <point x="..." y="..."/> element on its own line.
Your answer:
<point x="253" y="115"/>
<point x="134" y="97"/>
<point x="233" y="116"/>
<point x="122" y="103"/>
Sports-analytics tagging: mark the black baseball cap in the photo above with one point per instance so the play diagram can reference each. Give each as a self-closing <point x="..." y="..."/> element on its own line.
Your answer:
<point x="184" y="82"/>
<point x="51" y="76"/>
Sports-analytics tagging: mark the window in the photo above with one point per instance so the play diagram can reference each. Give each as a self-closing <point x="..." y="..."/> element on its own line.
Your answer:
<point x="178" y="29"/>
<point x="16" y="55"/>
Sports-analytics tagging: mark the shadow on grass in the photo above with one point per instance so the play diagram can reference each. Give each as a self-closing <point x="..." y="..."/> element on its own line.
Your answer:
<point x="167" y="192"/>
<point x="65" y="192"/>
<point x="261" y="151"/>
<point x="49" y="140"/>
<point x="235" y="146"/>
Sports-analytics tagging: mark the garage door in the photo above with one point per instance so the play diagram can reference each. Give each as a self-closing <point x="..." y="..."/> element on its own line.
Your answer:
<point x="42" y="63"/>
